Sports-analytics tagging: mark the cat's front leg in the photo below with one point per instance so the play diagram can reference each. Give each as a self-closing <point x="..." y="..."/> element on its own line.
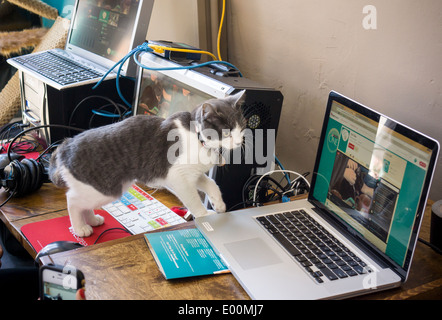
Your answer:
<point x="188" y="194"/>
<point x="212" y="190"/>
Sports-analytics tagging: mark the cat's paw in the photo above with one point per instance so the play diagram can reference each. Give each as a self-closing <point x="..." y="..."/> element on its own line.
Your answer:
<point x="96" y="220"/>
<point x="219" y="206"/>
<point x="83" y="231"/>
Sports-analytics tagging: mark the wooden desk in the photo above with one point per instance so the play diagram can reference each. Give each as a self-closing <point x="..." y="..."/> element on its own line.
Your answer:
<point x="125" y="269"/>
<point x="119" y="269"/>
<point x="47" y="203"/>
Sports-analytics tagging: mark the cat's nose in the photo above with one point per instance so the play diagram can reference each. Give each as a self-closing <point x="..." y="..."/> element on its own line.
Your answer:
<point x="237" y="143"/>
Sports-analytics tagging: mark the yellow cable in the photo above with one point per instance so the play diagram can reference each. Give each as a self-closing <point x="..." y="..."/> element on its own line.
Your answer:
<point x="161" y="49"/>
<point x="220" y="29"/>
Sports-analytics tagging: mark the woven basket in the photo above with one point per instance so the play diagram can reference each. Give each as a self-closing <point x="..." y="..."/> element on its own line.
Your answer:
<point x="17" y="42"/>
<point x="10" y="95"/>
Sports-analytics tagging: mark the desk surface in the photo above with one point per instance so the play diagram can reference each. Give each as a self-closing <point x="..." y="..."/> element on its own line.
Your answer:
<point x="125" y="269"/>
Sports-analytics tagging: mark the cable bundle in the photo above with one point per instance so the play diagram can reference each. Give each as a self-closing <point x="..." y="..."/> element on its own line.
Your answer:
<point x="146" y="47"/>
<point x="261" y="189"/>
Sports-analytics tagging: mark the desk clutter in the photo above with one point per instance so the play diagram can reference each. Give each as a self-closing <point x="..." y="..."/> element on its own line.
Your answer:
<point x="139" y="212"/>
<point x="136" y="212"/>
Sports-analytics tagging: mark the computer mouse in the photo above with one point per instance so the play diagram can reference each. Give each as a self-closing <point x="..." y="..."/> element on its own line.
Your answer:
<point x="4" y="160"/>
<point x="56" y="247"/>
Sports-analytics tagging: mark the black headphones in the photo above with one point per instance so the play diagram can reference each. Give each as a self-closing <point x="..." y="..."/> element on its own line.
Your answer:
<point x="21" y="177"/>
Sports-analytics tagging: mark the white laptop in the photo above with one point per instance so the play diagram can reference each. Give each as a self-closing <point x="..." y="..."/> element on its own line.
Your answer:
<point x="101" y="34"/>
<point x="356" y="233"/>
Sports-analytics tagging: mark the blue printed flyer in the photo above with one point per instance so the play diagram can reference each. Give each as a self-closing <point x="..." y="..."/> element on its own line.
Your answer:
<point x="184" y="253"/>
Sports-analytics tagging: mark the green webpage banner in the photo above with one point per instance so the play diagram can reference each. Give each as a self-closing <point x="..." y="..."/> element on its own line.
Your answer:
<point x="371" y="177"/>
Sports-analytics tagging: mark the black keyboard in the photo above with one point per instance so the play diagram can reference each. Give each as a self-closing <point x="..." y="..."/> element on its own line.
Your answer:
<point x="57" y="68"/>
<point x="313" y="247"/>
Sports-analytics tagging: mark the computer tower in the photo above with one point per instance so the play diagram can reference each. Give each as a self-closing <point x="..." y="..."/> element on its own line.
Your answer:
<point x="42" y="104"/>
<point x="156" y="91"/>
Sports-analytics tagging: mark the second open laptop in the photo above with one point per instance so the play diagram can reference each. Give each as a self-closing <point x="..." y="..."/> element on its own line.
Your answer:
<point x="356" y="233"/>
<point x="101" y="33"/>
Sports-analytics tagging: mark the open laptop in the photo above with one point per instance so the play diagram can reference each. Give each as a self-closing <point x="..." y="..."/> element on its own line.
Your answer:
<point x="101" y="33"/>
<point x="356" y="232"/>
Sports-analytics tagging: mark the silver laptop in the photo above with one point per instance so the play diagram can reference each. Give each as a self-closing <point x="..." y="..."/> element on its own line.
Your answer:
<point x="101" y="34"/>
<point x="356" y="233"/>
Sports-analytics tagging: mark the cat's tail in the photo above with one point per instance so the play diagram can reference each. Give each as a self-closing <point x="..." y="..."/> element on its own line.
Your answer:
<point x="54" y="171"/>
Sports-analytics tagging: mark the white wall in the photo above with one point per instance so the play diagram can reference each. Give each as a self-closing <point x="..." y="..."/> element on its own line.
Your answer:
<point x="305" y="48"/>
<point x="174" y="20"/>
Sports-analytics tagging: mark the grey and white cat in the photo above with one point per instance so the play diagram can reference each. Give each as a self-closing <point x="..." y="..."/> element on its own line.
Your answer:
<point x="99" y="165"/>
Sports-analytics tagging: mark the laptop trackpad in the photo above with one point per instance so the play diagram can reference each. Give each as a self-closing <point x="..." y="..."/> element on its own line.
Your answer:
<point x="252" y="253"/>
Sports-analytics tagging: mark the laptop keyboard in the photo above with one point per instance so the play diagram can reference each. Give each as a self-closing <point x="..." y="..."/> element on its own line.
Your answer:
<point x="313" y="247"/>
<point x="57" y="68"/>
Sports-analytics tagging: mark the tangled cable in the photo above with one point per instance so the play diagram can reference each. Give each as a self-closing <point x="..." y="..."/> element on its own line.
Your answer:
<point x="146" y="47"/>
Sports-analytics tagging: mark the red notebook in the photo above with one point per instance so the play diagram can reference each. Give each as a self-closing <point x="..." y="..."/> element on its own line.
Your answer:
<point x="42" y="233"/>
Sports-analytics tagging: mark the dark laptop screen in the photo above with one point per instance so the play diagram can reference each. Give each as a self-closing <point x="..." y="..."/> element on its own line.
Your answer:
<point x="373" y="174"/>
<point x="105" y="27"/>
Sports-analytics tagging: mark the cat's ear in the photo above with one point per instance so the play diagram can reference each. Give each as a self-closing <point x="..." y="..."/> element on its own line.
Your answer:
<point x="206" y="109"/>
<point x="237" y="99"/>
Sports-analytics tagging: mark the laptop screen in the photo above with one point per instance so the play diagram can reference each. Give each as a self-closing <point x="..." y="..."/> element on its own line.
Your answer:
<point x="373" y="174"/>
<point x="104" y="31"/>
<point x="104" y="27"/>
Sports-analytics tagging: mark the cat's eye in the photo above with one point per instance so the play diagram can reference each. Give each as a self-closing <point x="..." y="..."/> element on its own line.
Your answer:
<point x="226" y="134"/>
